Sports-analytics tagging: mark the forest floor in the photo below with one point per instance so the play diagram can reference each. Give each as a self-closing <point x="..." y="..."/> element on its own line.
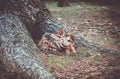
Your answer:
<point x="96" y="23"/>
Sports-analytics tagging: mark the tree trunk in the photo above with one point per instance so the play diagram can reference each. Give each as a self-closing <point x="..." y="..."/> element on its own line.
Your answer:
<point x="63" y="3"/>
<point x="17" y="49"/>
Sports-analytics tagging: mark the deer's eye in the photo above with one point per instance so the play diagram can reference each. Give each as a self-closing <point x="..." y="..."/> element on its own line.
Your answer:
<point x="69" y="41"/>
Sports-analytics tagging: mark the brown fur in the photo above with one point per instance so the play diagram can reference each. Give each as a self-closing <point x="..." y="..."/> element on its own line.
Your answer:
<point x="59" y="44"/>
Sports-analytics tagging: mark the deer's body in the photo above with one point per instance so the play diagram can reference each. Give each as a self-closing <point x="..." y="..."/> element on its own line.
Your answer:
<point x="59" y="44"/>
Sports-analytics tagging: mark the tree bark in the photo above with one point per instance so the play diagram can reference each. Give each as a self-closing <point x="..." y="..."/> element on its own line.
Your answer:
<point x="17" y="49"/>
<point x="95" y="47"/>
<point x="34" y="15"/>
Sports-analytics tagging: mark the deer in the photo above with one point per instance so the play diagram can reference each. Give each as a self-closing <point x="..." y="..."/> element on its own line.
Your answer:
<point x="58" y="44"/>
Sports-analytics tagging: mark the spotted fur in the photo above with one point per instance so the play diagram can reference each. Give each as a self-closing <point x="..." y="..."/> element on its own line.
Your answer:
<point x="59" y="44"/>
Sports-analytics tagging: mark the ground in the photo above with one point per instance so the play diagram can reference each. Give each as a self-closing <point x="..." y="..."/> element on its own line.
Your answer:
<point x="96" y="23"/>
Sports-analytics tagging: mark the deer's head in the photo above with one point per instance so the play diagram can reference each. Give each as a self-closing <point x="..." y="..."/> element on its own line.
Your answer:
<point x="67" y="40"/>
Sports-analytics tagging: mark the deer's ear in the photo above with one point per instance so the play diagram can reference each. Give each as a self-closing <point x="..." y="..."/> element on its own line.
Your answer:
<point x="72" y="37"/>
<point x="61" y="31"/>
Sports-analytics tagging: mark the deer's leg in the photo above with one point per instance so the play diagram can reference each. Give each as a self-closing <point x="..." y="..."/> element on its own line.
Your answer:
<point x="72" y="49"/>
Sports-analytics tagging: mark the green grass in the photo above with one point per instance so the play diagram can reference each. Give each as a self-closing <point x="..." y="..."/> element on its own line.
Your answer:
<point x="59" y="61"/>
<point x="63" y="61"/>
<point x="83" y="51"/>
<point x="110" y="41"/>
<point x="75" y="9"/>
<point x="63" y="11"/>
<point x="51" y="5"/>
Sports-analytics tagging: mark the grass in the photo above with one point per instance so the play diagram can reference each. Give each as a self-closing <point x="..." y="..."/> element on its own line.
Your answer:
<point x="51" y="5"/>
<point x="75" y="9"/>
<point x="63" y="61"/>
<point x="106" y="40"/>
<point x="59" y="61"/>
<point x="83" y="51"/>
<point x="62" y="11"/>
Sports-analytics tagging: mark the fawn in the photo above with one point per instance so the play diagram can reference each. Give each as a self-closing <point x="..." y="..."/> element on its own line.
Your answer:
<point x="59" y="44"/>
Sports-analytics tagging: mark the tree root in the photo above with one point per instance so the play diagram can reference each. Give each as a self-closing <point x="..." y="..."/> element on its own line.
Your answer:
<point x="94" y="46"/>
